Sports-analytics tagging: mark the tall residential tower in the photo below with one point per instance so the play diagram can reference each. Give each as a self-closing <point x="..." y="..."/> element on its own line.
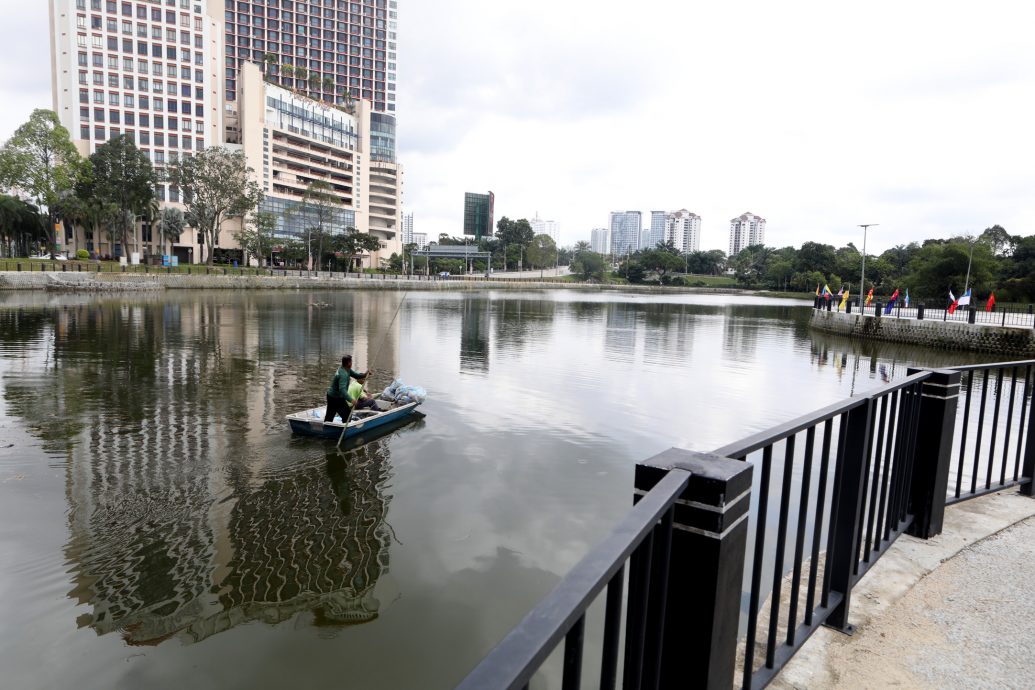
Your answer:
<point x="746" y="230"/>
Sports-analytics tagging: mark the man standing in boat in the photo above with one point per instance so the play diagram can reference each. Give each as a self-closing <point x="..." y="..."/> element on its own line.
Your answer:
<point x="338" y="399"/>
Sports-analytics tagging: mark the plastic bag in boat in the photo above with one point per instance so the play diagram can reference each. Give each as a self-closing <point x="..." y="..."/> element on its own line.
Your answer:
<point x="401" y="393"/>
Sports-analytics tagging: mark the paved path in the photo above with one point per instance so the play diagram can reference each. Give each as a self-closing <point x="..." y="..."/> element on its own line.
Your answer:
<point x="956" y="611"/>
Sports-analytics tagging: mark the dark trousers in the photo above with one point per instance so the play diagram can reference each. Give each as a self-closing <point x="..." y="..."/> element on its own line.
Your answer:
<point x="336" y="406"/>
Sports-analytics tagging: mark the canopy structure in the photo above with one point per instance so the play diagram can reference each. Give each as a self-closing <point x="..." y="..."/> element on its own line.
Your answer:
<point x="466" y="252"/>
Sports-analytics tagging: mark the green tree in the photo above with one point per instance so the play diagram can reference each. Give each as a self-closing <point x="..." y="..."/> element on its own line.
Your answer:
<point x="352" y="243"/>
<point x="814" y="256"/>
<point x="257" y="236"/>
<point x="41" y="160"/>
<point x="321" y="209"/>
<point x="938" y="267"/>
<point x="661" y="260"/>
<point x="123" y="176"/>
<point x="588" y="265"/>
<point x="170" y="224"/>
<point x="711" y="262"/>
<point x="20" y="226"/>
<point x="217" y="186"/>
<point x="515" y="233"/>
<point x="542" y="252"/>
<point x="751" y="263"/>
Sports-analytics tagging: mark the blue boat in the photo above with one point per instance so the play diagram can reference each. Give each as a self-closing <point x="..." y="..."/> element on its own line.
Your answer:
<point x="310" y="422"/>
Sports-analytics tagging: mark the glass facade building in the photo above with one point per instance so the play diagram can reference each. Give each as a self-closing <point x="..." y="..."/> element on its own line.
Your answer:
<point x="478" y="210"/>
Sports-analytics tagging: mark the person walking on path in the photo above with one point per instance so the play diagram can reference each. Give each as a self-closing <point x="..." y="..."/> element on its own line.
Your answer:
<point x="338" y="400"/>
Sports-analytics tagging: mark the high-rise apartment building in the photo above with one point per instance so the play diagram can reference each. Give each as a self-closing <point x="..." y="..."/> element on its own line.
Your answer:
<point x="478" y="214"/>
<point x="293" y="142"/>
<point x="625" y="227"/>
<point x="330" y="50"/>
<point x="746" y="230"/>
<point x="600" y="240"/>
<point x="142" y="69"/>
<point x="407" y="228"/>
<point x="658" y="220"/>
<point x="421" y="240"/>
<point x="683" y="230"/>
<point x="645" y="239"/>
<point x="550" y="228"/>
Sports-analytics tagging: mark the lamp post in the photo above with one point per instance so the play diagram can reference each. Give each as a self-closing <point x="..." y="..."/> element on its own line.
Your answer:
<point x="862" y="278"/>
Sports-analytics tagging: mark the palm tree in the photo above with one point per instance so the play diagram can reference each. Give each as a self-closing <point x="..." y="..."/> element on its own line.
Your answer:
<point x="170" y="224"/>
<point x="582" y="246"/>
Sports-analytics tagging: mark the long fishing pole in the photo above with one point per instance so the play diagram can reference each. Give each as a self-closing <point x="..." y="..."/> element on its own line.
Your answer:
<point x="370" y="368"/>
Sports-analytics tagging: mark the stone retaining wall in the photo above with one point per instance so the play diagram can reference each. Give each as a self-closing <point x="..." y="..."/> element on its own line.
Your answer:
<point x="944" y="335"/>
<point x="110" y="282"/>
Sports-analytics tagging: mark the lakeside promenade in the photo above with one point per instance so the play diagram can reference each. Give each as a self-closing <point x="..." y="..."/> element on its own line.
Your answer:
<point x="950" y="611"/>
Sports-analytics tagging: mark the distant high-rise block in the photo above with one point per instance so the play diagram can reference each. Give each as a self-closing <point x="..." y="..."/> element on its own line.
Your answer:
<point x="600" y="240"/>
<point x="625" y="227"/>
<point x="683" y="230"/>
<point x="746" y="230"/>
<point x="407" y="228"/>
<point x="550" y="228"/>
<point x="658" y="220"/>
<point x="478" y="212"/>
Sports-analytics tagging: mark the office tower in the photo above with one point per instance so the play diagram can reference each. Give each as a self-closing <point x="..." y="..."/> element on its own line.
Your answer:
<point x="658" y="219"/>
<point x="625" y="229"/>
<point x="330" y="50"/>
<point x="478" y="212"/>
<point x="600" y="240"/>
<point x="683" y="230"/>
<point x="746" y="230"/>
<point x="645" y="239"/>
<point x="144" y="70"/>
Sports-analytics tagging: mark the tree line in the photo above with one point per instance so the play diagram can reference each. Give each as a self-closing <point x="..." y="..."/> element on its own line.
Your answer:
<point x="114" y="188"/>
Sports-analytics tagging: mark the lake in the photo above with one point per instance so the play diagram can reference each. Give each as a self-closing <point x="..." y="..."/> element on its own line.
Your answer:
<point x="161" y="527"/>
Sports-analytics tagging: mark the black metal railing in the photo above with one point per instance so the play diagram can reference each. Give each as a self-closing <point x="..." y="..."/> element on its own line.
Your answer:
<point x="728" y="577"/>
<point x="647" y="530"/>
<point x="862" y="475"/>
<point x="993" y="425"/>
<point x="1003" y="315"/>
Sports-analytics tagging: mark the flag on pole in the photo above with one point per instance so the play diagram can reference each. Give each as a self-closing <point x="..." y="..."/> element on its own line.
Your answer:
<point x="817" y="289"/>
<point x="965" y="300"/>
<point x="955" y="303"/>
<point x="869" y="297"/>
<point x="905" y="300"/>
<point x="827" y="294"/>
<point x="991" y="302"/>
<point x="841" y="291"/>
<point x="844" y="300"/>
<point x="891" y="302"/>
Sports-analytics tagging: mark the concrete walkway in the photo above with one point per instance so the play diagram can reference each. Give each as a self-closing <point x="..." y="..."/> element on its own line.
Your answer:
<point x="954" y="611"/>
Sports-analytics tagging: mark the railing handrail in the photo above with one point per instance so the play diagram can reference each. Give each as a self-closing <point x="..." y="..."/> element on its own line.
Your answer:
<point x="739" y="449"/>
<point x="994" y="365"/>
<point x="517" y="657"/>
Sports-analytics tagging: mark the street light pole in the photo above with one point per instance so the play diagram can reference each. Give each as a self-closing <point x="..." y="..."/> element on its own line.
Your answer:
<point x="862" y="278"/>
<point x="966" y="283"/>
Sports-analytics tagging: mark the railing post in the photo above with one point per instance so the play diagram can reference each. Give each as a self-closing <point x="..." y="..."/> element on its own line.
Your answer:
<point x="706" y="569"/>
<point x="849" y="487"/>
<point x="920" y="312"/>
<point x="848" y="307"/>
<point x="971" y="315"/>
<point x="936" y="426"/>
<point x="1028" y="470"/>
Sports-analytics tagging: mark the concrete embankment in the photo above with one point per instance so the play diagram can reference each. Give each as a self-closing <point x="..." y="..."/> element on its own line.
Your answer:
<point x="945" y="335"/>
<point x="116" y="282"/>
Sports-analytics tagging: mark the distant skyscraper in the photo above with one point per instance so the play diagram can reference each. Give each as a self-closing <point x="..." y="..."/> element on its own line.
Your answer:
<point x="746" y="230"/>
<point x="407" y="228"/>
<point x="421" y="240"/>
<point x="657" y="227"/>
<point x="645" y="236"/>
<point x="683" y="229"/>
<point x="478" y="210"/>
<point x="550" y="228"/>
<point x="625" y="229"/>
<point x="600" y="240"/>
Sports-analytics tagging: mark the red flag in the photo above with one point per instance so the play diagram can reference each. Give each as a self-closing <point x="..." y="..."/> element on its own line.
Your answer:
<point x="991" y="302"/>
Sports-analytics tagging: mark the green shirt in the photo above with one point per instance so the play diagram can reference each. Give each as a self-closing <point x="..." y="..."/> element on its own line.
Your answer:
<point x="340" y="383"/>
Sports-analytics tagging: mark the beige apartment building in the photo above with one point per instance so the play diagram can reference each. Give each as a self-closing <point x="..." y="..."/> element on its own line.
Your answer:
<point x="155" y="71"/>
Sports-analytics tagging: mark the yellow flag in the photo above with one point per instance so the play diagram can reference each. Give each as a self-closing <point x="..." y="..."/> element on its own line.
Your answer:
<point x="844" y="301"/>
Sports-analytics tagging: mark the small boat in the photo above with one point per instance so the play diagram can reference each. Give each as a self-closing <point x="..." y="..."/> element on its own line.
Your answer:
<point x="310" y="422"/>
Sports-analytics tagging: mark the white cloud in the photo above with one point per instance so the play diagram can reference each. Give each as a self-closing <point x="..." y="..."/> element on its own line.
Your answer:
<point x="816" y="115"/>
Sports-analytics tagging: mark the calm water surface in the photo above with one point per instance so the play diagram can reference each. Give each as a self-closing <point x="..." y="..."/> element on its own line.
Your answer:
<point x="160" y="526"/>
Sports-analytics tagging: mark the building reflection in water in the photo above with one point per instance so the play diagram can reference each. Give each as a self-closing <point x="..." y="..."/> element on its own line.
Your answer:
<point x="179" y="523"/>
<point x="474" y="335"/>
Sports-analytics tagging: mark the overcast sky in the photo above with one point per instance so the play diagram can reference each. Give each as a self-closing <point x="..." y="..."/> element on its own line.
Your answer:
<point x="919" y="116"/>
